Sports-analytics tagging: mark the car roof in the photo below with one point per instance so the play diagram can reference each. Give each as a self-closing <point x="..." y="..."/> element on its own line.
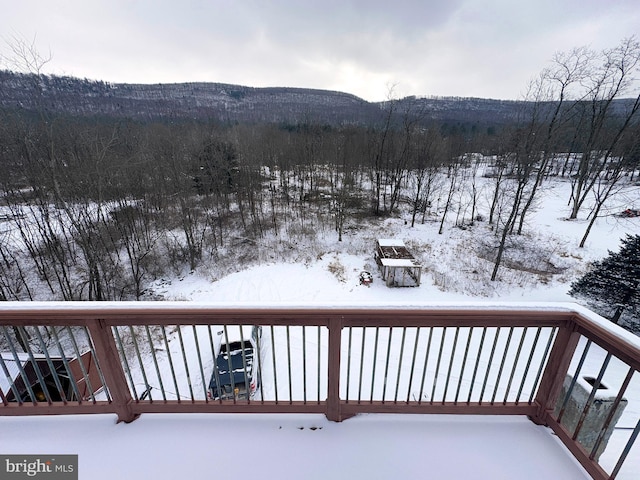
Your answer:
<point x="235" y="363"/>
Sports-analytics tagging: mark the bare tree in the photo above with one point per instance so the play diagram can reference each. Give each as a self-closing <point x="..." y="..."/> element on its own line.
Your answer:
<point x="498" y="170"/>
<point x="25" y="56"/>
<point x="549" y="94"/>
<point x="608" y="183"/>
<point x="423" y="170"/>
<point x="525" y="159"/>
<point x="453" y="178"/>
<point x="380" y="154"/>
<point x="606" y="83"/>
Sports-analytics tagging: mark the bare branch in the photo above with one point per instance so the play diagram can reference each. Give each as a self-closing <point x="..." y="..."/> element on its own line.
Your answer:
<point x="24" y="56"/>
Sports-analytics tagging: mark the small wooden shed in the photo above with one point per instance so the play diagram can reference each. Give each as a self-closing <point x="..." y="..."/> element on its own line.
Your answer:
<point x="397" y="265"/>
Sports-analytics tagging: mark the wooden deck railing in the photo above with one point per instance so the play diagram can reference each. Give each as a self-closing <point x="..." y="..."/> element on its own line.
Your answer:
<point x="135" y="358"/>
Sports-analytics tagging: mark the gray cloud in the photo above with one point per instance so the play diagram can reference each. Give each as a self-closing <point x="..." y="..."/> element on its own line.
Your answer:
<point x="468" y="48"/>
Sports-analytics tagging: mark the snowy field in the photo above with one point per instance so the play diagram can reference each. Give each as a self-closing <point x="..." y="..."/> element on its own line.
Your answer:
<point x="319" y="270"/>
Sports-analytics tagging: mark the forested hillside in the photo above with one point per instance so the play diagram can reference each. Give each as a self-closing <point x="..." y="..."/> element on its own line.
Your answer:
<point x="235" y="103"/>
<point x="97" y="202"/>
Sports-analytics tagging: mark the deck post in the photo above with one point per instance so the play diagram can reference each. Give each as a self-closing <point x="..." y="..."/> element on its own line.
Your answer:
<point x="554" y="374"/>
<point x="334" y="412"/>
<point x="109" y="361"/>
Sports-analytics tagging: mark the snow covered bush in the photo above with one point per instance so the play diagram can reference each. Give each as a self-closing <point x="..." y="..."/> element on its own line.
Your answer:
<point x="338" y="270"/>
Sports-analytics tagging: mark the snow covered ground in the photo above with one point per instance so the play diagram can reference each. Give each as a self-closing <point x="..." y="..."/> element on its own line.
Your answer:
<point x="539" y="265"/>
<point x="325" y="272"/>
<point x="321" y="269"/>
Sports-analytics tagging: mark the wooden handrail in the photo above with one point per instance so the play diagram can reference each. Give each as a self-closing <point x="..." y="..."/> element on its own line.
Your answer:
<point x="568" y="323"/>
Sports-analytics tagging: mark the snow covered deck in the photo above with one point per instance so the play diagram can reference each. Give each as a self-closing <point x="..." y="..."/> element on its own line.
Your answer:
<point x="492" y="374"/>
<point x="296" y="446"/>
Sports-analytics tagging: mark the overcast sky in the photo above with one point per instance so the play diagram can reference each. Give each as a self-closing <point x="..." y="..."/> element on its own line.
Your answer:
<point x="489" y="48"/>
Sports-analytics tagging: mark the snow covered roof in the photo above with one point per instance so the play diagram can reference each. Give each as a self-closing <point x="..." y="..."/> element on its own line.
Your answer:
<point x="393" y="253"/>
<point x="390" y="242"/>
<point x="8" y="356"/>
<point x="13" y="367"/>
<point x="398" y="262"/>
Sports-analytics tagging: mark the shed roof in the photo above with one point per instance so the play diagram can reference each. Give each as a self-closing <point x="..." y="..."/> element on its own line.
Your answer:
<point x="393" y="253"/>
<point x="13" y="367"/>
<point x="399" y="262"/>
<point x="390" y="242"/>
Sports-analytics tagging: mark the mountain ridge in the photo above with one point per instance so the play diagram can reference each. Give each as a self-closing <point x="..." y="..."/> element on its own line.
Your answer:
<point x="232" y="103"/>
